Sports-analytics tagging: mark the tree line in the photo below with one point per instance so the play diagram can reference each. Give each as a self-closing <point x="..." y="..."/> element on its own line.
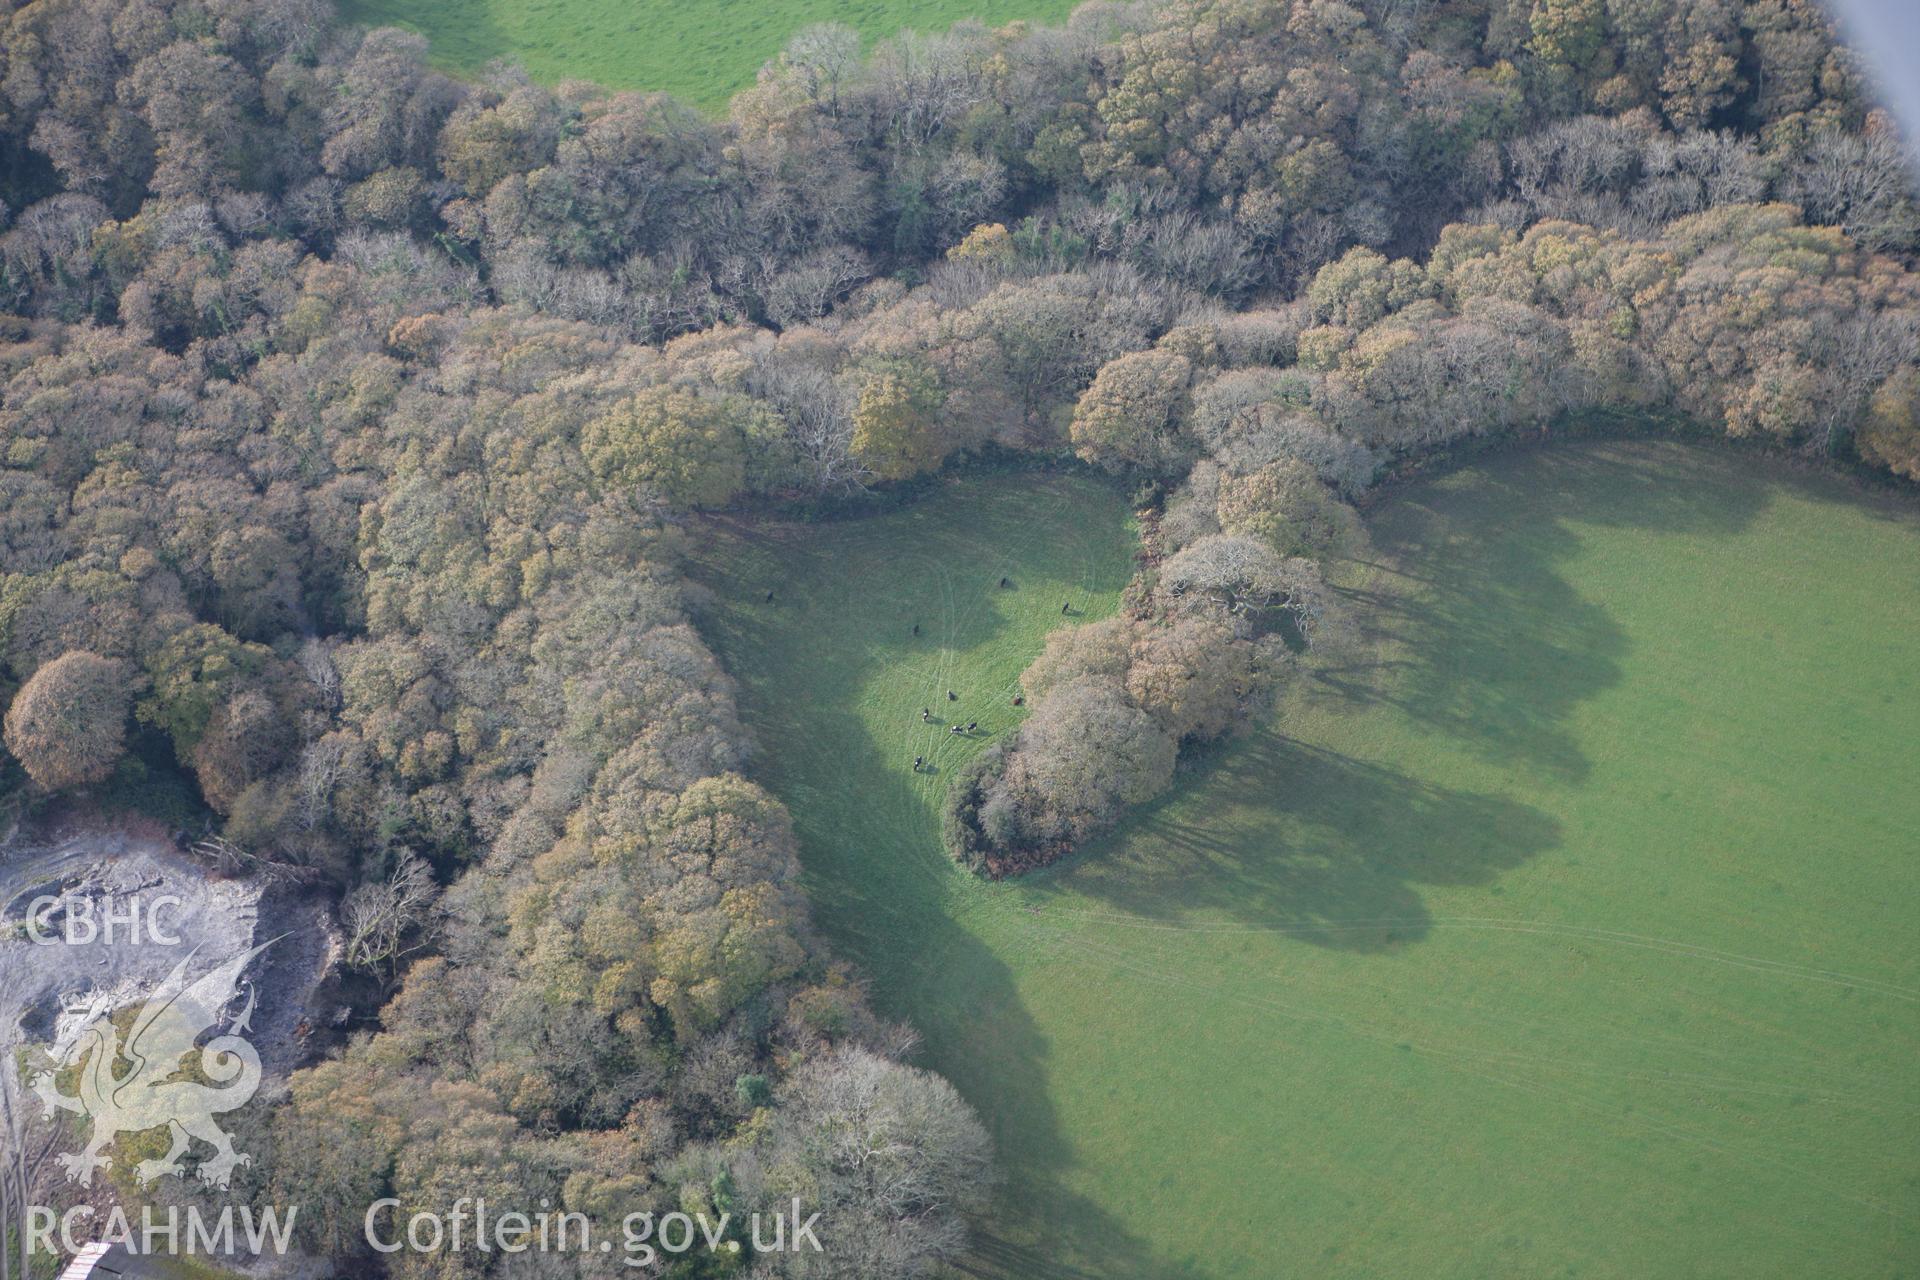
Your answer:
<point x="1742" y="318"/>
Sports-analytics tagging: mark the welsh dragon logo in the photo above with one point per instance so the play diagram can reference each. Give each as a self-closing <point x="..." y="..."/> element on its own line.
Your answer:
<point x="153" y="1091"/>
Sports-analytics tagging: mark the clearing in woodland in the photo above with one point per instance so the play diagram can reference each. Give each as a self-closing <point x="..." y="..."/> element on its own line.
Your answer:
<point x="1561" y="921"/>
<point x="703" y="53"/>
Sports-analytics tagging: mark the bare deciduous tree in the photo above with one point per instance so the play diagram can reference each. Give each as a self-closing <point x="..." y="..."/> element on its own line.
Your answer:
<point x="1862" y="184"/>
<point x="1242" y="577"/>
<point x="383" y="918"/>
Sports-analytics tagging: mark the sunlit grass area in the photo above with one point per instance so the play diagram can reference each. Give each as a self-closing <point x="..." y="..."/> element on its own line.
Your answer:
<point x="703" y="53"/>
<point x="1561" y="923"/>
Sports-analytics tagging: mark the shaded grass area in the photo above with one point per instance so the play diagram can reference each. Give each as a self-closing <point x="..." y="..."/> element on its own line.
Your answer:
<point x="1562" y="924"/>
<point x="701" y="52"/>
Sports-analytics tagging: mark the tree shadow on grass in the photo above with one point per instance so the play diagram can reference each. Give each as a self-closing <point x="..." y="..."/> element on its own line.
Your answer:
<point x="1303" y="840"/>
<point x="1475" y="636"/>
<point x="883" y="891"/>
<point x="1468" y="628"/>
<point x="889" y="915"/>
<point x="461" y="34"/>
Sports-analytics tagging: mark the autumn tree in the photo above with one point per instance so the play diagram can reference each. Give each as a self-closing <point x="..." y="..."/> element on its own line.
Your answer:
<point x="896" y="421"/>
<point x="685" y="447"/>
<point x="1285" y="504"/>
<point x="1083" y="757"/>
<point x="1199" y="678"/>
<point x="1130" y="415"/>
<point x="482" y="144"/>
<point x="1890" y="436"/>
<point x="1095" y="649"/>
<point x="67" y="724"/>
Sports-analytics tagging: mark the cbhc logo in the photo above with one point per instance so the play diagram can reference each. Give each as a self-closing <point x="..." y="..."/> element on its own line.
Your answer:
<point x="126" y="920"/>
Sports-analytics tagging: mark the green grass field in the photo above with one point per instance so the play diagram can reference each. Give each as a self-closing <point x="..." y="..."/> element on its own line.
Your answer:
<point x="1564" y="924"/>
<point x="704" y="51"/>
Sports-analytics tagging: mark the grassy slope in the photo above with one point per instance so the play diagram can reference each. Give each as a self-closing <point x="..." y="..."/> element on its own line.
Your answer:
<point x="1568" y="928"/>
<point x="702" y="52"/>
